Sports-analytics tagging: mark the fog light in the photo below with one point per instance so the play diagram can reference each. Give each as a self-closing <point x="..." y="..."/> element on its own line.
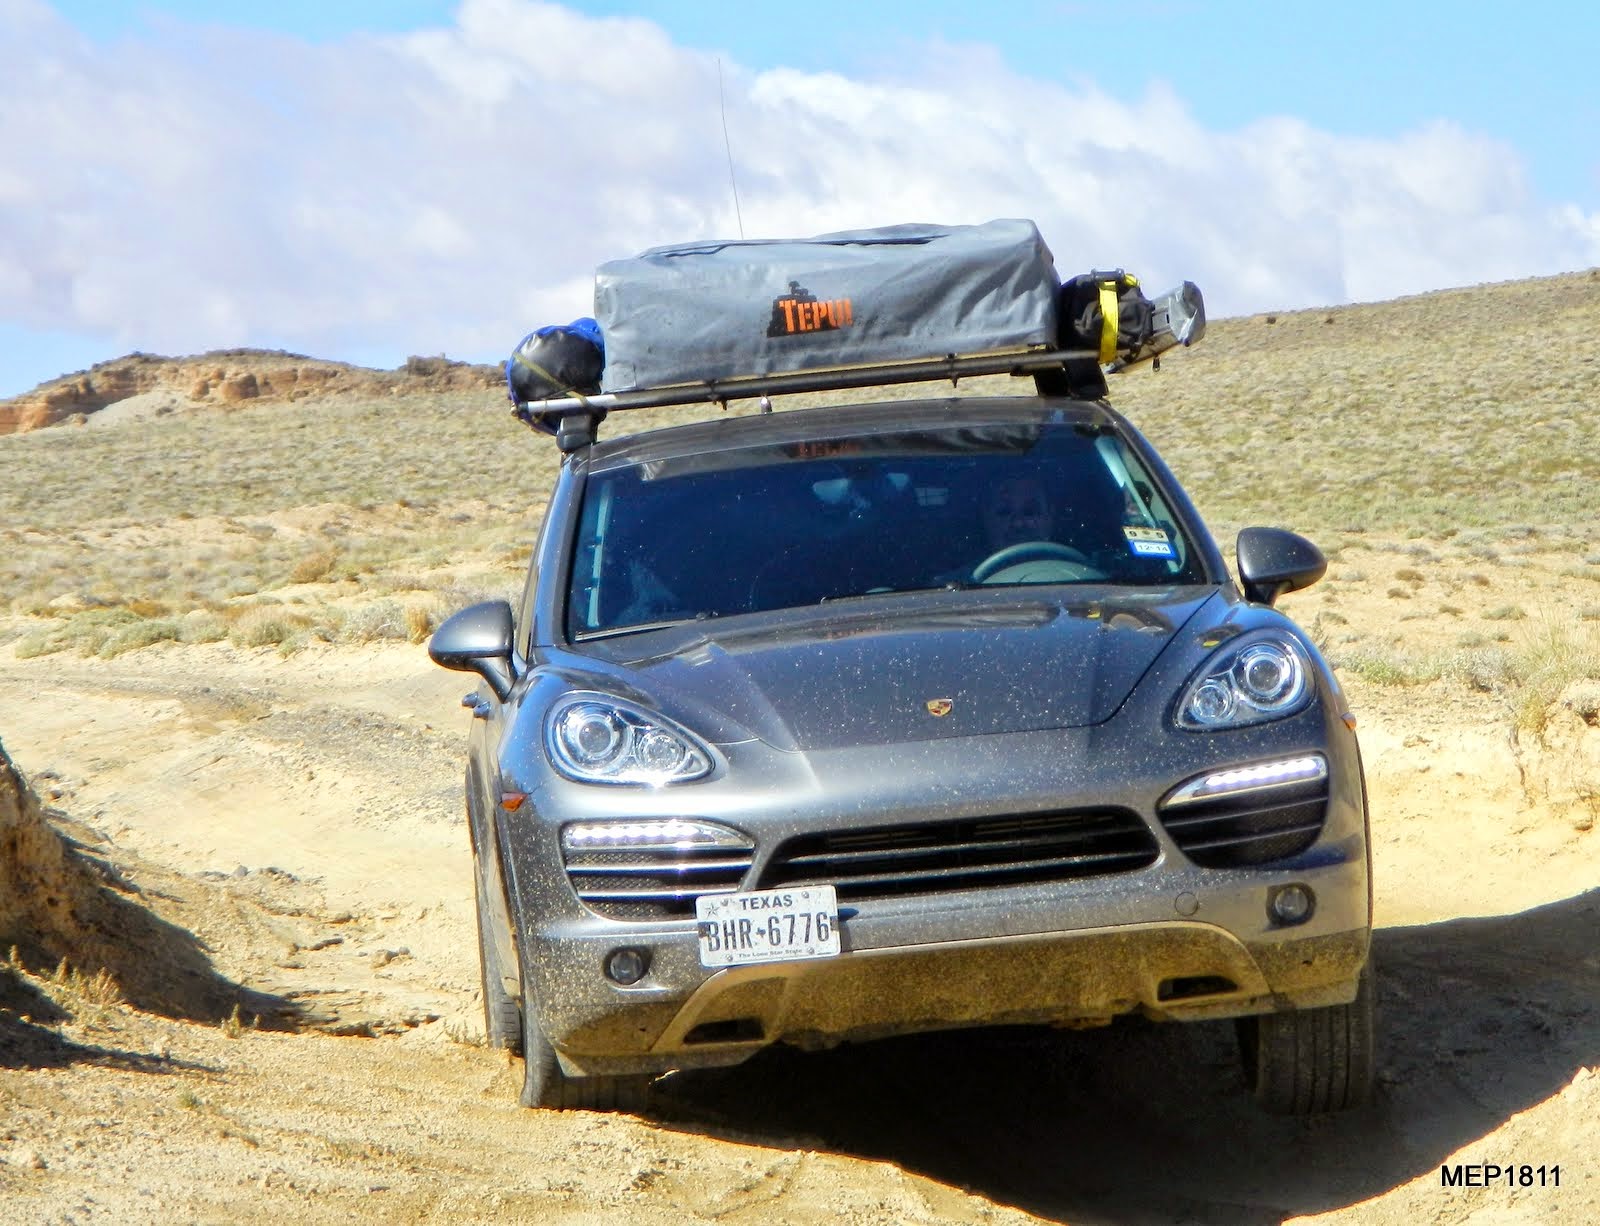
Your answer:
<point x="1291" y="904"/>
<point x="627" y="966"/>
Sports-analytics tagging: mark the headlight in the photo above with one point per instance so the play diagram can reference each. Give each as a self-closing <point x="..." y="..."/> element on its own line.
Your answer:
<point x="1259" y="678"/>
<point x="599" y="740"/>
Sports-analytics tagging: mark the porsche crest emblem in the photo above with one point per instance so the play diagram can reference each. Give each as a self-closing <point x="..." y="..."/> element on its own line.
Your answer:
<point x="940" y="706"/>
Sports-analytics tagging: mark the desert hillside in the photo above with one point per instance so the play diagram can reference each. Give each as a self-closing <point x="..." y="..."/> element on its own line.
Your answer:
<point x="239" y="972"/>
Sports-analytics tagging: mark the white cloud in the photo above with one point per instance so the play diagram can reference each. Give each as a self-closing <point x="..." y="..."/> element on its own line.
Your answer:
<point x="447" y="190"/>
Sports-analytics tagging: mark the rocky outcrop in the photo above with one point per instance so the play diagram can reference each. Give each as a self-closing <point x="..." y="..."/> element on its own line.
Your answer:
<point x="231" y="377"/>
<point x="63" y="908"/>
<point x="48" y="901"/>
<point x="1560" y="759"/>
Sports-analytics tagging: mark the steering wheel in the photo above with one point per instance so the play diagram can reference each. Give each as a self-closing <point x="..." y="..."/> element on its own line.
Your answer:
<point x="1032" y="551"/>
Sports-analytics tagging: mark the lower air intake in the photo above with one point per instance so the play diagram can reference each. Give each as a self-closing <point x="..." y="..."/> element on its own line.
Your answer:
<point x="1250" y="828"/>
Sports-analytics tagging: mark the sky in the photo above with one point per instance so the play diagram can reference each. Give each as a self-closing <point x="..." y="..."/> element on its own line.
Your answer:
<point x="370" y="179"/>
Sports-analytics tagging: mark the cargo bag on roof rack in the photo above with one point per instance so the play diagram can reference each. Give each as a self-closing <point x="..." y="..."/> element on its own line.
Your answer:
<point x="556" y="360"/>
<point x="1108" y="312"/>
<point x="724" y="310"/>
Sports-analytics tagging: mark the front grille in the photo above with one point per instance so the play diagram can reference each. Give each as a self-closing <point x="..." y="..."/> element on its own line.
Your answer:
<point x="1249" y="828"/>
<point x="648" y="883"/>
<point x="933" y="857"/>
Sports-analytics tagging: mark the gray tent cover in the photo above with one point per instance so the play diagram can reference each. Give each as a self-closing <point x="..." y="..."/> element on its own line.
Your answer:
<point x="725" y="310"/>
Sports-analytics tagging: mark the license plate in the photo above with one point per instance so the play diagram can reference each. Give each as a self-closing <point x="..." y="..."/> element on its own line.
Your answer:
<point x="768" y="926"/>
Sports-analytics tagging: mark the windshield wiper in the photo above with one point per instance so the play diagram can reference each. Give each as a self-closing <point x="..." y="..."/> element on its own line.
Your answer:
<point x="952" y="585"/>
<point x="640" y="628"/>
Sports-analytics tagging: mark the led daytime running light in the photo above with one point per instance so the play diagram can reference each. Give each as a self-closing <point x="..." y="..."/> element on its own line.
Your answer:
<point x="1252" y="779"/>
<point x="673" y="834"/>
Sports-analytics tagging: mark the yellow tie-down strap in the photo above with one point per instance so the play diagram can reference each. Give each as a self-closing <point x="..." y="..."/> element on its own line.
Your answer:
<point x="1108" y="321"/>
<point x="523" y="360"/>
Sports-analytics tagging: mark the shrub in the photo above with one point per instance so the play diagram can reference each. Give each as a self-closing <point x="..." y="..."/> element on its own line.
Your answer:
<point x="1488" y="670"/>
<point x="141" y="634"/>
<point x="84" y="632"/>
<point x="264" y="627"/>
<point x="1390" y="667"/>
<point x="313" y="567"/>
<point x="1553" y="655"/>
<point x="202" y="626"/>
<point x="421" y="621"/>
<point x="382" y="619"/>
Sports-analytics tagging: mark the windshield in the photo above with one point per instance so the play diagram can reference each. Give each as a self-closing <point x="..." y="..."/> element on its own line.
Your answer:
<point x="779" y="525"/>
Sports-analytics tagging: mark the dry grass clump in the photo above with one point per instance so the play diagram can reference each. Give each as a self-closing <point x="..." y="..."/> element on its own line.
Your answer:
<point x="90" y="998"/>
<point x="1553" y="655"/>
<point x="363" y="616"/>
<point x="268" y="626"/>
<point x="421" y="621"/>
<point x="410" y="621"/>
<point x="84" y="632"/>
<point x="202" y="626"/>
<point x="1383" y="666"/>
<point x="1528" y="674"/>
<point x="313" y="567"/>
<point x="380" y="619"/>
<point x="142" y="634"/>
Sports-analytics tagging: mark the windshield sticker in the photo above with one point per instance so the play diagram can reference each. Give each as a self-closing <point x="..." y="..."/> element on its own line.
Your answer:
<point x="822" y="448"/>
<point x="1148" y="543"/>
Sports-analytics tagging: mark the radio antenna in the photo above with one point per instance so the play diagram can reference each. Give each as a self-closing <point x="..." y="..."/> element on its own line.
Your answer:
<point x="722" y="103"/>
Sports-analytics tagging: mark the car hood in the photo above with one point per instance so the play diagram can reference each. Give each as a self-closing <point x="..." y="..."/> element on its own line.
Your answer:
<point x="975" y="663"/>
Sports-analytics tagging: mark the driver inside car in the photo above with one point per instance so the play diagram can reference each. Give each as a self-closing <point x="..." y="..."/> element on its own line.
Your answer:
<point x="1017" y="510"/>
<point x="1022" y="536"/>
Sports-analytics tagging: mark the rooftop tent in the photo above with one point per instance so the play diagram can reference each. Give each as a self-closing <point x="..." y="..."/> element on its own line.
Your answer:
<point x="717" y="321"/>
<point x="726" y="310"/>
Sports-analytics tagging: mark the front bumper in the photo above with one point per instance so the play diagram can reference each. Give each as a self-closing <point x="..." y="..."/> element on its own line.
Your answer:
<point x="1170" y="944"/>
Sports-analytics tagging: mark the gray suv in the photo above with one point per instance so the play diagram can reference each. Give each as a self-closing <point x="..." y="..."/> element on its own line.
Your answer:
<point x="839" y="723"/>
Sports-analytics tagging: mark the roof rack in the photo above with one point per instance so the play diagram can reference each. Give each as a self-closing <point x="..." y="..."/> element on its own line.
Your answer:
<point x="575" y="419"/>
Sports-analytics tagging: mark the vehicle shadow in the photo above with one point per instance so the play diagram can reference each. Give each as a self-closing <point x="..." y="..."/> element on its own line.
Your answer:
<point x="1479" y="1019"/>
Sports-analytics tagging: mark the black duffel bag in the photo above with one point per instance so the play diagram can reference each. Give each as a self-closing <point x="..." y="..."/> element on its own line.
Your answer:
<point x="1107" y="315"/>
<point x="1106" y="312"/>
<point x="555" y="361"/>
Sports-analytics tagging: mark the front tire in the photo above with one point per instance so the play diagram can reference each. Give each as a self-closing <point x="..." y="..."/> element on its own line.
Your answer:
<point x="1310" y="1061"/>
<point x="502" y="1015"/>
<point x="544" y="1084"/>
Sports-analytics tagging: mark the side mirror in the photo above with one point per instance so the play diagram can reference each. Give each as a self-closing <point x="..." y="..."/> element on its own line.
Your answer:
<point x="477" y="640"/>
<point x="1273" y="561"/>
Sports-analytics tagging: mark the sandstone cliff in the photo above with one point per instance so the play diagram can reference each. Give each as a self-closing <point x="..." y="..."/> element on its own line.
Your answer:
<point x="227" y="377"/>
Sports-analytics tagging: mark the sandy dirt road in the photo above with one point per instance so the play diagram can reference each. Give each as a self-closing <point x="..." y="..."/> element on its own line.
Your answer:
<point x="298" y="822"/>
